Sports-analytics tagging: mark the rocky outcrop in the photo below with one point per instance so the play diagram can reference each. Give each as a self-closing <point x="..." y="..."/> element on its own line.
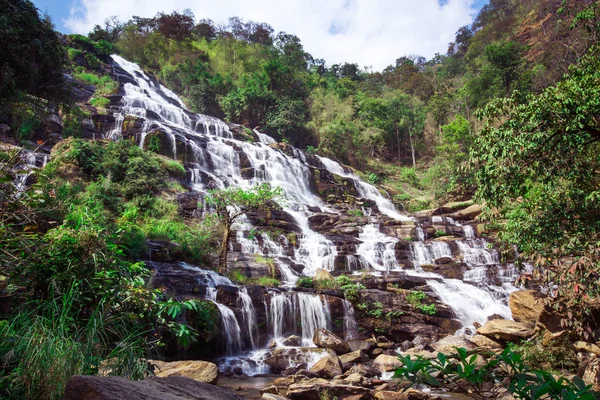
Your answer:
<point x="201" y="371"/>
<point x="526" y="306"/>
<point x="155" y="388"/>
<point x="502" y="329"/>
<point x="327" y="340"/>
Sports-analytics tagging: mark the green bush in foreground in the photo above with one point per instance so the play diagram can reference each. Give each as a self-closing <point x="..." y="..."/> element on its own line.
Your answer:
<point x="464" y="372"/>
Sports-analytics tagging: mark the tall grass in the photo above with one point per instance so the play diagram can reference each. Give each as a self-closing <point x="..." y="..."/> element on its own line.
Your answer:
<point x="47" y="342"/>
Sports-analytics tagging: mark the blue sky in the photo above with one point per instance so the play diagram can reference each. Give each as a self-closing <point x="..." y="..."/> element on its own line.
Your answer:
<point x="369" y="32"/>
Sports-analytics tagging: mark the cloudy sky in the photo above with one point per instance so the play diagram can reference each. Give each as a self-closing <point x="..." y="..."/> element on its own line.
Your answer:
<point x="368" y="32"/>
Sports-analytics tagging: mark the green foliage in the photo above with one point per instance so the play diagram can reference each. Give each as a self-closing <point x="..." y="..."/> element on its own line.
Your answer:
<point x="440" y="233"/>
<point x="100" y="102"/>
<point x="33" y="58"/>
<point x="415" y="299"/>
<point x="356" y="213"/>
<point x="549" y="197"/>
<point x="349" y="288"/>
<point x="465" y="374"/>
<point x="305" y="282"/>
<point x="548" y="355"/>
<point x="267" y="281"/>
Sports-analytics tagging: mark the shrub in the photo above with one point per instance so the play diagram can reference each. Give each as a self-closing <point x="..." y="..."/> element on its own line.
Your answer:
<point x="100" y="102"/>
<point x="305" y="282"/>
<point x="267" y="281"/>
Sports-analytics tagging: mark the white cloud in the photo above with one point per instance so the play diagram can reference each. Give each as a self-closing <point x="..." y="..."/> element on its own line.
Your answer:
<point x="368" y="32"/>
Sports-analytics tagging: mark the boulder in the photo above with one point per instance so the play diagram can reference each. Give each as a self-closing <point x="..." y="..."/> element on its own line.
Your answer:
<point x="311" y="390"/>
<point x="585" y="347"/>
<point x="323" y="275"/>
<point x="327" y="367"/>
<point x="448" y="344"/>
<point x="591" y="376"/>
<point x="154" y="388"/>
<point x="328" y="340"/>
<point x="352" y="358"/>
<point x="293" y="341"/>
<point x="385" y="363"/>
<point x="201" y="371"/>
<point x="485" y="343"/>
<point x="468" y="213"/>
<point x="502" y="329"/>
<point x="526" y="306"/>
<point x="280" y="359"/>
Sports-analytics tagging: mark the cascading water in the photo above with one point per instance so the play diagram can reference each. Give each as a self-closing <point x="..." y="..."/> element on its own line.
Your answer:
<point x="248" y="315"/>
<point x="214" y="157"/>
<point x="350" y="326"/>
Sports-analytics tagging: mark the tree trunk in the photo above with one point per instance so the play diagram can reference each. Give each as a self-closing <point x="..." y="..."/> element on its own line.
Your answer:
<point x="398" y="140"/>
<point x="412" y="149"/>
<point x="224" y="247"/>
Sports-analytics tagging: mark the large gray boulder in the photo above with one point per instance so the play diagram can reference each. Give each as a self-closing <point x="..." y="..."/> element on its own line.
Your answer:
<point x="156" y="388"/>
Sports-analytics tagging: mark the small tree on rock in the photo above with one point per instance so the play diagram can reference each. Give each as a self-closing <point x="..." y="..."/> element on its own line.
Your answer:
<point x="231" y="203"/>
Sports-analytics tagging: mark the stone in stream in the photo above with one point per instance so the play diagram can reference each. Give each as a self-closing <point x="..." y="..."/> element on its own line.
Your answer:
<point x="154" y="388"/>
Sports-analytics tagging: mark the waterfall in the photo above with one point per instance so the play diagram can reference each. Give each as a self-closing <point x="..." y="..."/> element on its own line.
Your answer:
<point x="377" y="248"/>
<point x="288" y="308"/>
<point x="350" y="326"/>
<point x="248" y="315"/>
<point x="231" y="328"/>
<point x="214" y="154"/>
<point x="313" y="314"/>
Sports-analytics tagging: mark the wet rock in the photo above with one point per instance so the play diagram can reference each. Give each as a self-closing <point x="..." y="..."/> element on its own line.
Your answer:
<point x="292" y="341"/>
<point x="363" y="370"/>
<point x="328" y="340"/>
<point x="501" y="329"/>
<point x="385" y="363"/>
<point x="154" y="388"/>
<point x="201" y="371"/>
<point x="526" y="306"/>
<point x="280" y="359"/>
<point x="188" y="203"/>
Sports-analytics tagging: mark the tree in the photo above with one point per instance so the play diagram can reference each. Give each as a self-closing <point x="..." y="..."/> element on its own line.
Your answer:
<point x="231" y="203"/>
<point x="32" y="57"/>
<point x="536" y="163"/>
